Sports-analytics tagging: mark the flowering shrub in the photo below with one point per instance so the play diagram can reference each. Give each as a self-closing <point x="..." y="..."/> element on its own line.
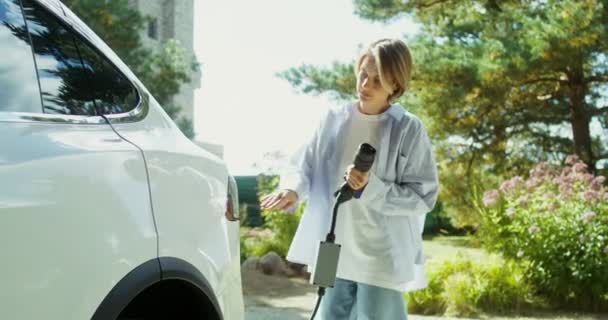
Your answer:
<point x="556" y="223"/>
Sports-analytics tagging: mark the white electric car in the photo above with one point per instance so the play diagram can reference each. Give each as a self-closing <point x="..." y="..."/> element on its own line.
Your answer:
<point x="107" y="211"/>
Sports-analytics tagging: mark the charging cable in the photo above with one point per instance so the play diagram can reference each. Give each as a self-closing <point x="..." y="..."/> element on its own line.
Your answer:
<point x="324" y="274"/>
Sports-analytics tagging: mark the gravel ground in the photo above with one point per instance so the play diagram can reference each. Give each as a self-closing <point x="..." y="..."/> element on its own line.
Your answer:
<point x="282" y="298"/>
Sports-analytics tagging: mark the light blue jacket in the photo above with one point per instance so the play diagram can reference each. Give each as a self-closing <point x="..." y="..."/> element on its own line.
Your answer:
<point x="402" y="187"/>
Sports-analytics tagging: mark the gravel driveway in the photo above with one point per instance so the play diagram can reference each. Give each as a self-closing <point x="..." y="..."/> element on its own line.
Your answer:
<point x="282" y="298"/>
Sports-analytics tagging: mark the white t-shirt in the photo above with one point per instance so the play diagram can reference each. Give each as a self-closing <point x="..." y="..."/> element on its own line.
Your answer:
<point x="365" y="254"/>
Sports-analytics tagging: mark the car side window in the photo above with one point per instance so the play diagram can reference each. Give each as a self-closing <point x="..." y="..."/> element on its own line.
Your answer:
<point x="63" y="79"/>
<point x="19" y="91"/>
<point x="110" y="90"/>
<point x="74" y="78"/>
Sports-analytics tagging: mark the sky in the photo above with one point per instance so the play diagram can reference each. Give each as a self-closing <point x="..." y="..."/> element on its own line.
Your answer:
<point x="242" y="45"/>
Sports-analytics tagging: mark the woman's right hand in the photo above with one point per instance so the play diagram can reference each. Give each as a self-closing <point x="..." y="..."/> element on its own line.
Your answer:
<point x="281" y="200"/>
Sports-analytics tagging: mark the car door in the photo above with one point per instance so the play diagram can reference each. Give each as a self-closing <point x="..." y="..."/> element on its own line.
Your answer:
<point x="188" y="187"/>
<point x="75" y="213"/>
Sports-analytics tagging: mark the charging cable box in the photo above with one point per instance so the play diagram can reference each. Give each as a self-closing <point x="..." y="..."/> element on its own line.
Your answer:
<point x="326" y="266"/>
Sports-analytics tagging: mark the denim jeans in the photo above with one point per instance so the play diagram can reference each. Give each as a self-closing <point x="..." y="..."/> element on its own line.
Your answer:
<point x="349" y="300"/>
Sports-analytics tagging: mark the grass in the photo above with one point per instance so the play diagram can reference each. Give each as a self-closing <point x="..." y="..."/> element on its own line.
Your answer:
<point x="445" y="248"/>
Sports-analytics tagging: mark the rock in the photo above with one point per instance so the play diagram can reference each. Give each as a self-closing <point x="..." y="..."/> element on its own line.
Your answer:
<point x="273" y="264"/>
<point x="298" y="270"/>
<point x="250" y="264"/>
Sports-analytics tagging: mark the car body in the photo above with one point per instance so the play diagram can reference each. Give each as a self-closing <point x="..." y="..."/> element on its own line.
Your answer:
<point x="106" y="209"/>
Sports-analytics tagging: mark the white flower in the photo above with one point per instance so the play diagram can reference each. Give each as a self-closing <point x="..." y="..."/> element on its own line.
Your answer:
<point x="510" y="212"/>
<point x="490" y="198"/>
<point x="589" y="216"/>
<point x="520" y="253"/>
<point x="533" y="229"/>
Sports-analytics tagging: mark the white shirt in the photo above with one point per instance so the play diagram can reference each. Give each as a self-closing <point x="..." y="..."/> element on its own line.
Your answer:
<point x="365" y="254"/>
<point x="402" y="188"/>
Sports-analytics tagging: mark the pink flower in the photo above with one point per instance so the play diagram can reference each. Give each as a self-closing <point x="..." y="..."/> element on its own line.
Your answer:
<point x="597" y="182"/>
<point x="566" y="171"/>
<point x="579" y="167"/>
<point x="540" y="170"/>
<point x="590" y="196"/>
<point x="566" y="190"/>
<point x="533" y="182"/>
<point x="571" y="159"/>
<point x="586" y="177"/>
<point x="533" y="229"/>
<point x="564" y="180"/>
<point x="589" y="216"/>
<point x="490" y="198"/>
<point x="511" y="184"/>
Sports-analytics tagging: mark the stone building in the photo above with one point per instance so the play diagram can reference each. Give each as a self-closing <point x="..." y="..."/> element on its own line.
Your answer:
<point x="174" y="19"/>
<point x="171" y="19"/>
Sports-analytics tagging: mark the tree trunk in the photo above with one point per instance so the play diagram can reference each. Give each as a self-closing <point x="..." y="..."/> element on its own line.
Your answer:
<point x="581" y="118"/>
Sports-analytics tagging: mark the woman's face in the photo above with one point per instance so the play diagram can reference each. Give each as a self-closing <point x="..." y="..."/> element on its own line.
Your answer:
<point x="369" y="90"/>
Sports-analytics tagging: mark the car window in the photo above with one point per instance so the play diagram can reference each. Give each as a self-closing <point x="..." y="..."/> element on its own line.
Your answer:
<point x="110" y="90"/>
<point x="74" y="78"/>
<point x="63" y="79"/>
<point x="19" y="91"/>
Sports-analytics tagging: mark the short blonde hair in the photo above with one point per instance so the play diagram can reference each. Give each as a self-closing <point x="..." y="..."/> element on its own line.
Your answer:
<point x="394" y="63"/>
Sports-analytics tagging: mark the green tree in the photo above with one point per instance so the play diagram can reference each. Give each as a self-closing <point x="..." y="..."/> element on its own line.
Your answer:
<point x="500" y="84"/>
<point x="162" y="71"/>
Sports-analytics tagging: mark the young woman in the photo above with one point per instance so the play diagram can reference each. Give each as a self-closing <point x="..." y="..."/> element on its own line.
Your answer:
<point x="381" y="231"/>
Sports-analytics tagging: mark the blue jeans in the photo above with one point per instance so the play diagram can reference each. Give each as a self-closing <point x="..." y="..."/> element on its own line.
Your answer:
<point x="349" y="300"/>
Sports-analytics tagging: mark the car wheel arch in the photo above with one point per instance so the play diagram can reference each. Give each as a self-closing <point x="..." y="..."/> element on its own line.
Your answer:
<point x="147" y="275"/>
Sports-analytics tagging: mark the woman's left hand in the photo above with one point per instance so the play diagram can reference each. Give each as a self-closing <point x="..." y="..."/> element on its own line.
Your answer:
<point x="355" y="178"/>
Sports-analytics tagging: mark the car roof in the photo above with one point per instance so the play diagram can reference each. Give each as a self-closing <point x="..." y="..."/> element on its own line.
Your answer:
<point x="54" y="5"/>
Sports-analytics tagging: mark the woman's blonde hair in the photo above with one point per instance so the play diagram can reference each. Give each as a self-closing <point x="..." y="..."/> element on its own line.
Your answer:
<point x="394" y="63"/>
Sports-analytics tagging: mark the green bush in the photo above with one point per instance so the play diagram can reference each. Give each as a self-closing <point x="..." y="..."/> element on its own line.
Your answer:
<point x="555" y="223"/>
<point x="252" y="241"/>
<point x="278" y="230"/>
<point x="462" y="287"/>
<point x="276" y="234"/>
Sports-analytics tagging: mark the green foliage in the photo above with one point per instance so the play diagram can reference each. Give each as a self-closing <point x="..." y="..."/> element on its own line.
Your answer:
<point x="462" y="287"/>
<point x="284" y="227"/>
<point x="279" y="227"/>
<point x="338" y="80"/>
<point x="438" y="221"/>
<point x="162" y="72"/>
<point x="186" y="126"/>
<point x="460" y="178"/>
<point x="499" y="85"/>
<point x="267" y="184"/>
<point x="556" y="223"/>
<point x="493" y="72"/>
<point x="258" y="242"/>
